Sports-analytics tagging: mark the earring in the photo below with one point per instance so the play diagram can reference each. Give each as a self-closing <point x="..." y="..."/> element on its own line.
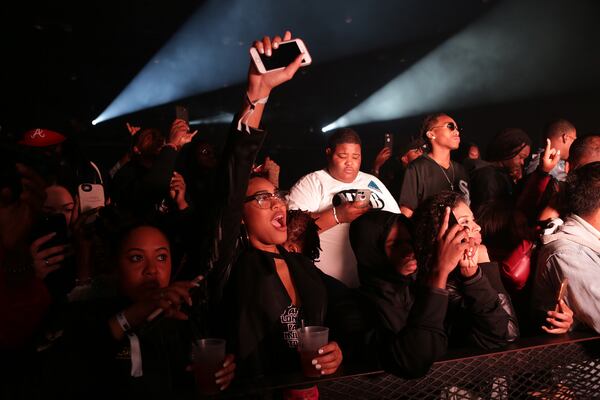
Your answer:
<point x="244" y="238"/>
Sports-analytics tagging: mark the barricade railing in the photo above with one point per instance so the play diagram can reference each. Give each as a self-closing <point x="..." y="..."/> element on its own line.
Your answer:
<point x="564" y="367"/>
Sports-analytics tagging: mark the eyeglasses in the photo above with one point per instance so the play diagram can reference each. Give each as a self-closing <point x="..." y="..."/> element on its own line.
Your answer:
<point x="450" y="125"/>
<point x="267" y="200"/>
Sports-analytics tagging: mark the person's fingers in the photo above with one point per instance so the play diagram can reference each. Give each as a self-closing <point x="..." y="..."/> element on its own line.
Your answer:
<point x="191" y="135"/>
<point x="565" y="308"/>
<point x="287" y="36"/>
<point x="259" y="46"/>
<point x="267" y="46"/>
<point x="555" y="331"/>
<point x="275" y="42"/>
<point x="558" y="324"/>
<point x="38" y="242"/>
<point x="225" y="371"/>
<point x="52" y="251"/>
<point x="180" y="293"/>
<point x="291" y="69"/>
<point x="548" y="147"/>
<point x="50" y="261"/>
<point x="458" y="234"/>
<point x="444" y="226"/>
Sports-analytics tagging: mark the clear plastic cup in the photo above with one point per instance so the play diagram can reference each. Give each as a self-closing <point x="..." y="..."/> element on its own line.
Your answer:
<point x="208" y="356"/>
<point x="310" y="340"/>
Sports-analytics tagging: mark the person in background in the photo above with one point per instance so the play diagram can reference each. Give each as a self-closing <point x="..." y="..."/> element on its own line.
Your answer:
<point x="329" y="194"/>
<point x="507" y="152"/>
<point x="303" y="234"/>
<point x="108" y="342"/>
<point x="571" y="251"/>
<point x="434" y="171"/>
<point x="391" y="169"/>
<point x="480" y="311"/>
<point x="561" y="134"/>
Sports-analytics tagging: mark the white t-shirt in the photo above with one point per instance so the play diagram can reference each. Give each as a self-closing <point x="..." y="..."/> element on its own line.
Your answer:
<point x="315" y="192"/>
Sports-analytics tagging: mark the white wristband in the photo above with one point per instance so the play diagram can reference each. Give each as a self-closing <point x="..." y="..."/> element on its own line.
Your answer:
<point x="248" y="113"/>
<point x="337" y="221"/>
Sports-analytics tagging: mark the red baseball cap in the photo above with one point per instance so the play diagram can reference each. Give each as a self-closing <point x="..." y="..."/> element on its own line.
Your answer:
<point x="41" y="138"/>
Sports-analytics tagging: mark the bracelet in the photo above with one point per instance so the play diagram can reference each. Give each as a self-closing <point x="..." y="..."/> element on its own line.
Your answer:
<point x="248" y="113"/>
<point x="337" y="221"/>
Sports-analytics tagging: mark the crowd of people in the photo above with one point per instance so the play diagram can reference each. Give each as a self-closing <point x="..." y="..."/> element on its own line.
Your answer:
<point x="108" y="278"/>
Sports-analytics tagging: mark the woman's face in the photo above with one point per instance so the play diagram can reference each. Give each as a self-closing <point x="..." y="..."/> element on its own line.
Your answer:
<point x="399" y="249"/>
<point x="465" y="217"/>
<point x="265" y="222"/>
<point x="59" y="201"/>
<point x="144" y="262"/>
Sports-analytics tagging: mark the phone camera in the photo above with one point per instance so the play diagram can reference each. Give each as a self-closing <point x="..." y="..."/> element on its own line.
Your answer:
<point x="86" y="187"/>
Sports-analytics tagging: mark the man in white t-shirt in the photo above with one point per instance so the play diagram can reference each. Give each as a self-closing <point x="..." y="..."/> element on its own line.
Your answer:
<point x="329" y="195"/>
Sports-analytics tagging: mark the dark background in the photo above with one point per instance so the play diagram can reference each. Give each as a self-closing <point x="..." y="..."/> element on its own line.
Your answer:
<point x="64" y="62"/>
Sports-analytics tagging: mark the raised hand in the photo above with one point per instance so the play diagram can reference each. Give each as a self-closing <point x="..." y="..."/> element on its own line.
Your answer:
<point x="260" y="85"/>
<point x="550" y="158"/>
<point x="180" y="134"/>
<point x="383" y="155"/>
<point x="177" y="191"/>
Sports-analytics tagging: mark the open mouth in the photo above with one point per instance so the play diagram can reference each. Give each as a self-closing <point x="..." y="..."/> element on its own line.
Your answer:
<point x="278" y="221"/>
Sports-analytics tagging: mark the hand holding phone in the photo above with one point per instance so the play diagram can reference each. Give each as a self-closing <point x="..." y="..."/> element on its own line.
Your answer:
<point x="182" y="113"/>
<point x="388" y="141"/>
<point x="49" y="247"/>
<point x="91" y="196"/>
<point x="562" y="292"/>
<point x="363" y="198"/>
<point x="281" y="56"/>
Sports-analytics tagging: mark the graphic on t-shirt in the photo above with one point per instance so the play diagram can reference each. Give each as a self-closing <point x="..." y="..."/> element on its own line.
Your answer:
<point x="349" y="195"/>
<point x="289" y="323"/>
<point x="373" y="185"/>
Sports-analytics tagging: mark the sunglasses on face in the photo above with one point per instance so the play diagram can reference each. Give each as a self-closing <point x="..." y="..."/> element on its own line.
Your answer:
<point x="450" y="125"/>
<point x="267" y="200"/>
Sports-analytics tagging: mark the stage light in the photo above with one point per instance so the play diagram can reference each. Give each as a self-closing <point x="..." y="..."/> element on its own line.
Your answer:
<point x="222" y="118"/>
<point x="518" y="50"/>
<point x="94" y="122"/>
<point x="210" y="52"/>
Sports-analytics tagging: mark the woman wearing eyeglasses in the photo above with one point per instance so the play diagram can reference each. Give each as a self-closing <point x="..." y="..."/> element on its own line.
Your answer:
<point x="271" y="292"/>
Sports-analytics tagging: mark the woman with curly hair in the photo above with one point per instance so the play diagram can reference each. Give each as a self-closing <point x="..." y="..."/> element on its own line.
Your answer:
<point x="479" y="310"/>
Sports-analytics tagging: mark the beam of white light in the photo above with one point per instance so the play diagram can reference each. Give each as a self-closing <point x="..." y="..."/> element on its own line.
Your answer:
<point x="222" y="118"/>
<point x="521" y="48"/>
<point x="210" y="51"/>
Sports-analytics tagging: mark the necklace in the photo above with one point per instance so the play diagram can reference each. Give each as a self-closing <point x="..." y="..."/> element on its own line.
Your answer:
<point x="451" y="182"/>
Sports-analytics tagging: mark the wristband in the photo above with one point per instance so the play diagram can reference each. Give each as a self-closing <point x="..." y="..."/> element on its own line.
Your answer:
<point x="248" y="113"/>
<point x="337" y="221"/>
<point x="134" y="344"/>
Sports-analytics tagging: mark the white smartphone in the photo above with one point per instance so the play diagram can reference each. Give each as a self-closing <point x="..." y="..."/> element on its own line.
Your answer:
<point x="363" y="198"/>
<point x="91" y="195"/>
<point x="281" y="57"/>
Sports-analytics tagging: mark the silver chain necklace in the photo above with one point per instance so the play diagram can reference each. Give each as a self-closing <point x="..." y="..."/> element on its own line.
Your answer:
<point x="451" y="182"/>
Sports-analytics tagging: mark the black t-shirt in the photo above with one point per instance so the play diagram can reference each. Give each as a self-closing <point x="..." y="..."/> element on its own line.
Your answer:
<point x="424" y="178"/>
<point x="490" y="183"/>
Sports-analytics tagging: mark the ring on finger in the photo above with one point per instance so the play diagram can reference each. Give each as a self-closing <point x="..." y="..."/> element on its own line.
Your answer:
<point x="46" y="262"/>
